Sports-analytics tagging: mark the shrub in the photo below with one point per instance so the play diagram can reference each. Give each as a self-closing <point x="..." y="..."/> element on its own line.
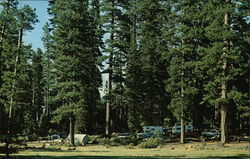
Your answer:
<point x="68" y="145"/>
<point x="32" y="137"/>
<point x="130" y="146"/>
<point x="115" y="141"/>
<point x="103" y="141"/>
<point x="151" y="143"/>
<point x="93" y="139"/>
<point x="124" y="141"/>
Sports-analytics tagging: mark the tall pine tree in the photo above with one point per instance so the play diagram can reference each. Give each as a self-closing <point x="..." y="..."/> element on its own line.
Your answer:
<point x="75" y="63"/>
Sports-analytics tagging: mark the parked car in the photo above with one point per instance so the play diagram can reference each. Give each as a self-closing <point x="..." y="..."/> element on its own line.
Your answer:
<point x="144" y="135"/>
<point x="123" y="135"/>
<point x="210" y="133"/>
<point x="54" y="137"/>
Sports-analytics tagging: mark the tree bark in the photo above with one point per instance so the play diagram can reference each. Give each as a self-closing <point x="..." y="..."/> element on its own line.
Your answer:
<point x="110" y="70"/>
<point x="182" y="139"/>
<point x="182" y="119"/>
<point x="72" y="130"/>
<point x="224" y="131"/>
<point x="107" y="118"/>
<point x="19" y="45"/>
<point x="224" y="105"/>
<point x="182" y="131"/>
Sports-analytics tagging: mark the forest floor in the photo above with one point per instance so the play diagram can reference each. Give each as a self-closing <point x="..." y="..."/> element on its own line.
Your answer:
<point x="209" y="150"/>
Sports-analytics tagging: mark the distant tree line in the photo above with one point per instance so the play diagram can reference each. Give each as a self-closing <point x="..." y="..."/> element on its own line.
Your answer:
<point x="168" y="62"/>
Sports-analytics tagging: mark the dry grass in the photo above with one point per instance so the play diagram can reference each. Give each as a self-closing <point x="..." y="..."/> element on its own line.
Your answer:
<point x="192" y="150"/>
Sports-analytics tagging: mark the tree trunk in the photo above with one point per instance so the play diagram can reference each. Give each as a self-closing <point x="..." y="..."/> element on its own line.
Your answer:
<point x="182" y="131"/>
<point x="72" y="130"/>
<point x="107" y="127"/>
<point x="19" y="44"/>
<point x="224" y="105"/>
<point x="182" y="140"/>
<point x="107" y="118"/>
<point x="7" y="153"/>
<point x="182" y="117"/>
<point x="224" y="133"/>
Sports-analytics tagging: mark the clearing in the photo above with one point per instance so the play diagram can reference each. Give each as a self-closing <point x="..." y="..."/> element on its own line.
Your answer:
<point x="210" y="150"/>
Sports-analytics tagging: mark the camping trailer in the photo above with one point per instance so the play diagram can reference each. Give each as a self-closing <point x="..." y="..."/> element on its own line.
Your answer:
<point x="177" y="129"/>
<point x="153" y="129"/>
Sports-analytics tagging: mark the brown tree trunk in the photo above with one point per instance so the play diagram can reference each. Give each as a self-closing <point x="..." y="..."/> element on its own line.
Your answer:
<point x="72" y="130"/>
<point x="182" y="139"/>
<point x="107" y="127"/>
<point x="224" y="131"/>
<point x="224" y="105"/>
<point x="107" y="118"/>
<point x="182" y="118"/>
<point x="19" y="44"/>
<point x="182" y="131"/>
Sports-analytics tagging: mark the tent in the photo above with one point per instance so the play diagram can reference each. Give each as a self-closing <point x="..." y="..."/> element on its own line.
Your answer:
<point x="81" y="139"/>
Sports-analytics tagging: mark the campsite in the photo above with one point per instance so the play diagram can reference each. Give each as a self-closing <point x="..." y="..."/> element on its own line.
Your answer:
<point x="124" y="79"/>
<point x="199" y="150"/>
<point x="121" y="147"/>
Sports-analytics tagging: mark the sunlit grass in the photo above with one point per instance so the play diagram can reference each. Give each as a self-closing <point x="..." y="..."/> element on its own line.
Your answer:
<point x="199" y="150"/>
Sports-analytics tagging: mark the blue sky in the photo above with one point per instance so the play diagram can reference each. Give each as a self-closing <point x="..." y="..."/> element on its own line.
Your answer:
<point x="34" y="37"/>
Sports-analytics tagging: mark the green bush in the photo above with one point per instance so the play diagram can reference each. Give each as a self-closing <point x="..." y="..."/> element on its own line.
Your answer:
<point x="93" y="139"/>
<point x="151" y="143"/>
<point x="130" y="146"/>
<point x="68" y="145"/>
<point x="115" y="141"/>
<point x="103" y="141"/>
<point x="32" y="137"/>
<point x="123" y="141"/>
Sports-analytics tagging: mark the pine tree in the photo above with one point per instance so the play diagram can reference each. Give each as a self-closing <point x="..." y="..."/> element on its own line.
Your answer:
<point x="15" y="90"/>
<point x="152" y="90"/>
<point x="225" y="56"/>
<point x="75" y="63"/>
<point x="48" y="79"/>
<point x="109" y="21"/>
<point x="184" y="83"/>
<point x="37" y="86"/>
<point x="7" y="29"/>
<point x="92" y="96"/>
<point x="145" y="67"/>
<point x="133" y="73"/>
